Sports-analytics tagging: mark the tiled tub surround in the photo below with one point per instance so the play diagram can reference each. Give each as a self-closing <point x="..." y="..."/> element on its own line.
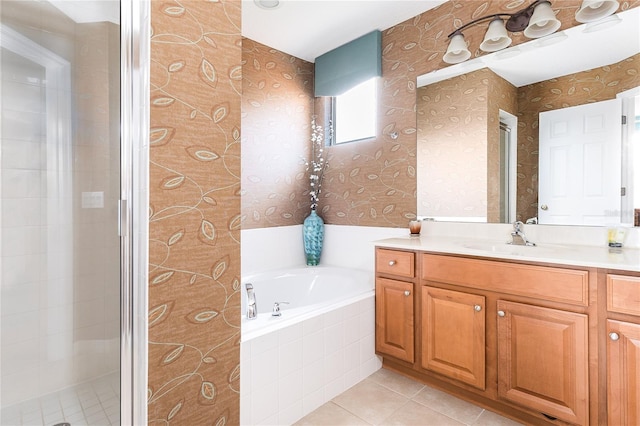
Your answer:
<point x="346" y="246"/>
<point x="289" y="373"/>
<point x="294" y="370"/>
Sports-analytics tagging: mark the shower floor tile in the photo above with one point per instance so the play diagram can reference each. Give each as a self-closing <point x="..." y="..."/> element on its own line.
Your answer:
<point x="94" y="403"/>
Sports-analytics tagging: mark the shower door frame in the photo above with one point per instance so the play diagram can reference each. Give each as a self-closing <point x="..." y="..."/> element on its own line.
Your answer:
<point x="133" y="227"/>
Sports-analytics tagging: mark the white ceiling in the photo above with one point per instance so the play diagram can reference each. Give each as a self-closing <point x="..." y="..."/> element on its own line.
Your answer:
<point x="308" y="28"/>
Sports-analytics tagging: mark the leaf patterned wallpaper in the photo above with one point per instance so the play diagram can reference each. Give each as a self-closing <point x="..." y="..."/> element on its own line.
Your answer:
<point x="458" y="142"/>
<point x="277" y="105"/>
<point x="373" y="183"/>
<point x="452" y="147"/>
<point x="194" y="213"/>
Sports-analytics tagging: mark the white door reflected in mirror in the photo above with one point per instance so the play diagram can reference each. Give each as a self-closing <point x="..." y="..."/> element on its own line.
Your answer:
<point x="580" y="164"/>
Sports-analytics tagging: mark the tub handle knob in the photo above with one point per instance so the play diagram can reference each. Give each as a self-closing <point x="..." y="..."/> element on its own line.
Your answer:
<point x="392" y="262"/>
<point x="407" y="293"/>
<point x="276" y="309"/>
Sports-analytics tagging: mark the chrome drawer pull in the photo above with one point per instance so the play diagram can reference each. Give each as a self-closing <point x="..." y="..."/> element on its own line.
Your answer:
<point x="392" y="262"/>
<point x="501" y="313"/>
<point x="614" y="336"/>
<point x="477" y="308"/>
<point x="407" y="293"/>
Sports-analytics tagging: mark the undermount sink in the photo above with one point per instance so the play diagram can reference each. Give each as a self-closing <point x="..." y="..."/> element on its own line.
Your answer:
<point x="504" y="248"/>
<point x="494" y="247"/>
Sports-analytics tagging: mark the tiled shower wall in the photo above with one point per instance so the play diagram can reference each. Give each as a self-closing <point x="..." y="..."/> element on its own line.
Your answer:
<point x="60" y="283"/>
<point x="194" y="213"/>
<point x="373" y="183"/>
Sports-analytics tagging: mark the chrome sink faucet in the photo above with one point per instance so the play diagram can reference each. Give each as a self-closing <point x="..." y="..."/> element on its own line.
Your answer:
<point x="252" y="308"/>
<point x="517" y="236"/>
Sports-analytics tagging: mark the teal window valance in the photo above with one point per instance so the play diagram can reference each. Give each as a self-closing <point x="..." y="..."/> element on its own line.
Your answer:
<point x="347" y="66"/>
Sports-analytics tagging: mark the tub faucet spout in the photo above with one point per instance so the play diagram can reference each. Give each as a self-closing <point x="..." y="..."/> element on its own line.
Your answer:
<point x="252" y="309"/>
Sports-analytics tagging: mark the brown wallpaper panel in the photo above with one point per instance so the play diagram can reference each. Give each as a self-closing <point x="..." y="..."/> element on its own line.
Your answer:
<point x="458" y="139"/>
<point x="277" y="105"/>
<point x="194" y="213"/>
<point x="452" y="147"/>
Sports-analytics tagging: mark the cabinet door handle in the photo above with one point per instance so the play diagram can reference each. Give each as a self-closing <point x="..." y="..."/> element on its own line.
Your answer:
<point x="614" y="336"/>
<point x="392" y="262"/>
<point x="407" y="293"/>
<point x="477" y="308"/>
<point x="501" y="313"/>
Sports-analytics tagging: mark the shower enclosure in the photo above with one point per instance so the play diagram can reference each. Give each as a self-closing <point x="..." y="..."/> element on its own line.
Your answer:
<point x="65" y="254"/>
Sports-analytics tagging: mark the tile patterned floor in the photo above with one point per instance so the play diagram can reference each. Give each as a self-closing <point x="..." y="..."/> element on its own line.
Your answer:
<point x="95" y="403"/>
<point x="387" y="398"/>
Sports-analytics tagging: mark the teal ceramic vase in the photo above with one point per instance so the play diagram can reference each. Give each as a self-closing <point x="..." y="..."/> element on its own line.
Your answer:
<point x="313" y="236"/>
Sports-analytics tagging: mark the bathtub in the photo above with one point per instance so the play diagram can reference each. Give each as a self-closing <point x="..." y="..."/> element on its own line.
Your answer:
<point x="301" y="293"/>
<point x="322" y="343"/>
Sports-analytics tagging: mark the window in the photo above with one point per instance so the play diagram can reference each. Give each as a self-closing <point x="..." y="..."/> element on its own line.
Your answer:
<point x="354" y="113"/>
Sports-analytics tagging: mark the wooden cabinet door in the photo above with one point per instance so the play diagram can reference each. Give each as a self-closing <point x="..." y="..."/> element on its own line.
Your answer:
<point x="453" y="335"/>
<point x="394" y="318"/>
<point x="623" y="373"/>
<point x="543" y="360"/>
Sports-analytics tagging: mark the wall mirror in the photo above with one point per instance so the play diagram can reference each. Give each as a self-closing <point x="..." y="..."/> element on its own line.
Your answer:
<point x="462" y="178"/>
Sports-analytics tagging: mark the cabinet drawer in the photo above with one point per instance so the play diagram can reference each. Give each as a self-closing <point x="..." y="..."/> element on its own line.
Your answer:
<point x="623" y="294"/>
<point x="541" y="282"/>
<point x="400" y="263"/>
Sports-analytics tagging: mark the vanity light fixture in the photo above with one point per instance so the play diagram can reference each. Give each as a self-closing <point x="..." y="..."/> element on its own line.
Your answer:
<point x="593" y="10"/>
<point x="537" y="20"/>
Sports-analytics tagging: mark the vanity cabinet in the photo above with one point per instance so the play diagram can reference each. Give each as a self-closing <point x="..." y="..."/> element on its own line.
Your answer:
<point x="543" y="360"/>
<point x="453" y="334"/>
<point x="395" y="271"/>
<point x="518" y="338"/>
<point x="623" y="350"/>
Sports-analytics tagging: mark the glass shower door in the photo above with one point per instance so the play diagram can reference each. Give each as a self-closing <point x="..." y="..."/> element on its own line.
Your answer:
<point x="59" y="192"/>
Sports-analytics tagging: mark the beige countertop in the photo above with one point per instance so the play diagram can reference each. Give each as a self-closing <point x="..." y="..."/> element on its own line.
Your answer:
<point x="625" y="259"/>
